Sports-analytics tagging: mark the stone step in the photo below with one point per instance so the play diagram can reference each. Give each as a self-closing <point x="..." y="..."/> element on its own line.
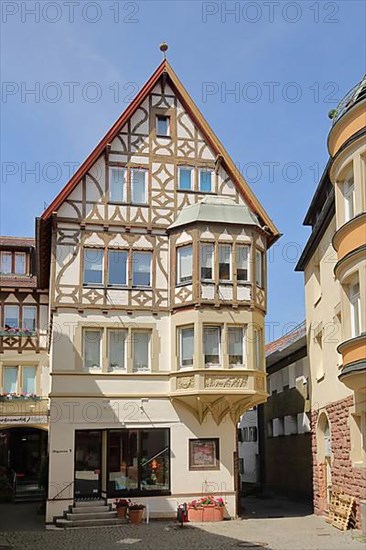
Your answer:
<point x="89" y="509"/>
<point x="87" y="503"/>
<point x="28" y="497"/>
<point x="69" y="524"/>
<point x="92" y="515"/>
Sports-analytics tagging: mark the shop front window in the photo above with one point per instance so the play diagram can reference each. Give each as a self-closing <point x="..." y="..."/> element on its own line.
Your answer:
<point x="138" y="462"/>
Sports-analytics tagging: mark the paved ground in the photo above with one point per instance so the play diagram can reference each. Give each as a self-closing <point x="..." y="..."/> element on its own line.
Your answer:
<point x="22" y="529"/>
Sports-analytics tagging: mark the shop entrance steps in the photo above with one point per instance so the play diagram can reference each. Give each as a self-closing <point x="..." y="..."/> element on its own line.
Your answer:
<point x="93" y="513"/>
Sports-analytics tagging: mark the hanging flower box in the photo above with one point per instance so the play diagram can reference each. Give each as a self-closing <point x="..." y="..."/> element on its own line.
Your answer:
<point x="20" y="397"/>
<point x="8" y="332"/>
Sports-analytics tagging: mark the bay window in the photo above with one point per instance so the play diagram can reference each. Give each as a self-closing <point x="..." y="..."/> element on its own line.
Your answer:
<point x="117" y="267"/>
<point x="205" y="180"/>
<point x="242" y="263"/>
<point x="93" y="266"/>
<point x="30" y="318"/>
<point x="141" y="350"/>
<point x="259" y="268"/>
<point x="141" y="268"/>
<point x="117" y="184"/>
<point x="354" y="298"/>
<point x="185" y="178"/>
<point x="92" y="349"/>
<point x="184" y="264"/>
<point x="224" y="262"/>
<point x="236" y="346"/>
<point x="207" y="262"/>
<point x="11" y="317"/>
<point x="117" y="349"/>
<point x="212" y="345"/>
<point x="138" y="186"/>
<point x="186" y="346"/>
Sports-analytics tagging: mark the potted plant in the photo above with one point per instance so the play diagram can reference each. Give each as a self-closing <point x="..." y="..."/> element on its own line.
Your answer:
<point x="122" y="505"/>
<point x="136" y="512"/>
<point x="195" y="511"/>
<point x="206" y="508"/>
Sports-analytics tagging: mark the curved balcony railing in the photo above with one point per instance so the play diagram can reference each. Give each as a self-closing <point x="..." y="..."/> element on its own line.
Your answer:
<point x="356" y="94"/>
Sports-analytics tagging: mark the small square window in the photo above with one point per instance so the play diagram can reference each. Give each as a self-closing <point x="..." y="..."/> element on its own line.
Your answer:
<point x="205" y="181"/>
<point x="185" y="178"/>
<point x="162" y="125"/>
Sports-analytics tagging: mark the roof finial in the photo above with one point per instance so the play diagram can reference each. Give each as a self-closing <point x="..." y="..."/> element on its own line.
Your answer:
<point x="164" y="48"/>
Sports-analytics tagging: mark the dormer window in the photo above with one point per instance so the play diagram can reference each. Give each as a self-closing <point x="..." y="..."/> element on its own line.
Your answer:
<point x="13" y="263"/>
<point x="205" y="181"/>
<point x="162" y="125"/>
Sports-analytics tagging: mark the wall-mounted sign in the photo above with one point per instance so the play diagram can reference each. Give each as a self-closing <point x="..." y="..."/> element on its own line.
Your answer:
<point x="24" y="419"/>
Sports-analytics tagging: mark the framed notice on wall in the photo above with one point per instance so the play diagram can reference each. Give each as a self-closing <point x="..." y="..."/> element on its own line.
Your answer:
<point x="204" y="454"/>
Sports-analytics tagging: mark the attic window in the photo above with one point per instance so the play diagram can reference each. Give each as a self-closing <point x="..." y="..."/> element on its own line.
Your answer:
<point x="162" y="125"/>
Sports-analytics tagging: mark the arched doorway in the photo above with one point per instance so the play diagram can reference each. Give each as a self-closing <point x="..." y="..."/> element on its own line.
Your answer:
<point x="21" y="452"/>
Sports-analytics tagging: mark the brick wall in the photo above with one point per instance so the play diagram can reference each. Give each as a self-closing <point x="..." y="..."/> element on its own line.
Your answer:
<point x="343" y="475"/>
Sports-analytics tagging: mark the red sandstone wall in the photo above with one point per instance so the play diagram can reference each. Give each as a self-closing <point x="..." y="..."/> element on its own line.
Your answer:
<point x="344" y="476"/>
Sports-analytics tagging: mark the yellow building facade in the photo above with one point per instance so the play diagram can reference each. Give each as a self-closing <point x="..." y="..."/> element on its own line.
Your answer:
<point x="334" y="265"/>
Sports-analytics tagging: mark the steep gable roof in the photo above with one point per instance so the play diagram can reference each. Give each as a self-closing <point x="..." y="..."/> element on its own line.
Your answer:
<point x="198" y="119"/>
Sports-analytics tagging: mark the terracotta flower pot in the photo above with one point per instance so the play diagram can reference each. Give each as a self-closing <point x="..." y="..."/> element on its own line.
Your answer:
<point x="218" y="513"/>
<point x="121" y="512"/>
<point x="136" y="516"/>
<point x="195" y="514"/>
<point x="209" y="512"/>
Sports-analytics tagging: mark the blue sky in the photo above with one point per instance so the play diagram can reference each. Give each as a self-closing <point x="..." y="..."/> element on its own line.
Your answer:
<point x="287" y="64"/>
